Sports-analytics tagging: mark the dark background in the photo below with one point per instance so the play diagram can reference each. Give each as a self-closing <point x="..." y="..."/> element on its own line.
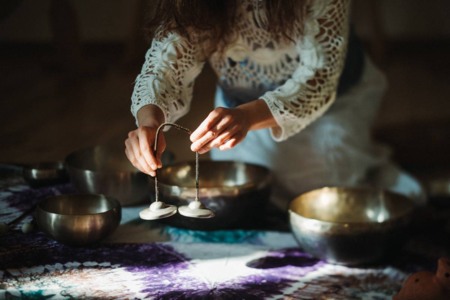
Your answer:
<point x="67" y="70"/>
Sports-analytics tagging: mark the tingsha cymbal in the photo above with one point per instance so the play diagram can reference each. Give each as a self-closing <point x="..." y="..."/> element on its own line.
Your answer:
<point x="158" y="210"/>
<point x="195" y="209"/>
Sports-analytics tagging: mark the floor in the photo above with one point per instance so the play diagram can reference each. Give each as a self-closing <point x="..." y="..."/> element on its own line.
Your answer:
<point x="49" y="108"/>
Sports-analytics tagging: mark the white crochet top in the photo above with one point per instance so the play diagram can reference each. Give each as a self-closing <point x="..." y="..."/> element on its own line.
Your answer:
<point x="297" y="80"/>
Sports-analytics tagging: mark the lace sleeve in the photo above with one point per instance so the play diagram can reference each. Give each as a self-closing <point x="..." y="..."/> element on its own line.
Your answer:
<point x="167" y="77"/>
<point x="312" y="88"/>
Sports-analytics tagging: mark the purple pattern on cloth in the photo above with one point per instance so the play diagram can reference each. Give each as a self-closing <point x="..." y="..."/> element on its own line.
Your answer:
<point x="162" y="272"/>
<point x="271" y="279"/>
<point x="156" y="264"/>
<point x="26" y="250"/>
<point x="24" y="199"/>
<point x="286" y="258"/>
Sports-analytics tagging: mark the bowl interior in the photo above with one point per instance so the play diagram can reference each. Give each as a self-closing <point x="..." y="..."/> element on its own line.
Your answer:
<point x="76" y="205"/>
<point x="351" y="205"/>
<point x="214" y="174"/>
<point x="236" y="192"/>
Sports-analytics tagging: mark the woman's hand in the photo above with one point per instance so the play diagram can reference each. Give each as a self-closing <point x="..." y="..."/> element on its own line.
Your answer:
<point x="139" y="146"/>
<point x="224" y="128"/>
<point x="140" y="152"/>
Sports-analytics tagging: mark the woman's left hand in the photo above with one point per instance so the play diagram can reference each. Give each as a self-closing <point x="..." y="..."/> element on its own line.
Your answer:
<point x="223" y="128"/>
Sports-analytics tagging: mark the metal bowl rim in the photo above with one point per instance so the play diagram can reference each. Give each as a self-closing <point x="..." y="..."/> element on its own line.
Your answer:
<point x="243" y="187"/>
<point x="71" y="166"/>
<point x="408" y="212"/>
<point x="115" y="204"/>
<point x="358" y="226"/>
<point x="103" y="172"/>
<point x="47" y="167"/>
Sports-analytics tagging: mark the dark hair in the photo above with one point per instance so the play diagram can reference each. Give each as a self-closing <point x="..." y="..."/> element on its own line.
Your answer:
<point x="218" y="16"/>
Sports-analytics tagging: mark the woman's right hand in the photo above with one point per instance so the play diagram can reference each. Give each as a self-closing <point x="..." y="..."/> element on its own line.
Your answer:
<point x="139" y="146"/>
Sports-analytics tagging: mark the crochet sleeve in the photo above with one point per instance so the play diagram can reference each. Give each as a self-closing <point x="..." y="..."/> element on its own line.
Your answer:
<point x="312" y="88"/>
<point x="167" y="77"/>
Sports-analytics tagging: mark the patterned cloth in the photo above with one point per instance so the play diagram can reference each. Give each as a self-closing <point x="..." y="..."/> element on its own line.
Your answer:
<point x="145" y="259"/>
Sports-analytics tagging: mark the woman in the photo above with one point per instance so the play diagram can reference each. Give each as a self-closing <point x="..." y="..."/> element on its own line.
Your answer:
<point x="295" y="92"/>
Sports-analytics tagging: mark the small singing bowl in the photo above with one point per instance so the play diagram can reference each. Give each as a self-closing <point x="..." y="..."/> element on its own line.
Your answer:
<point x="78" y="219"/>
<point x="236" y="192"/>
<point x="351" y="226"/>
<point x="45" y="173"/>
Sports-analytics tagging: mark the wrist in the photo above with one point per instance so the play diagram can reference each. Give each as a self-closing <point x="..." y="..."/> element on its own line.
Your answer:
<point x="258" y="114"/>
<point x="150" y="116"/>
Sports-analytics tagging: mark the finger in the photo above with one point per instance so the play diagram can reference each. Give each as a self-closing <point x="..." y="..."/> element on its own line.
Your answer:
<point x="133" y="154"/>
<point x="221" y="140"/>
<point x="129" y="154"/>
<point x="229" y="144"/>
<point x="226" y="134"/>
<point x="208" y="124"/>
<point x="145" y="147"/>
<point x="135" y="157"/>
<point x="133" y="146"/>
<point x="223" y="124"/>
<point x="203" y="141"/>
<point x="205" y="130"/>
<point x="232" y="141"/>
<point x="224" y="137"/>
<point x="160" y="149"/>
<point x="135" y="162"/>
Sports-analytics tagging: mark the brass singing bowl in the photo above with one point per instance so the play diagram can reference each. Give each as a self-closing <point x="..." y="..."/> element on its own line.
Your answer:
<point x="45" y="173"/>
<point x="351" y="226"/>
<point x="105" y="169"/>
<point x="78" y="220"/>
<point x="236" y="192"/>
<point x="438" y="190"/>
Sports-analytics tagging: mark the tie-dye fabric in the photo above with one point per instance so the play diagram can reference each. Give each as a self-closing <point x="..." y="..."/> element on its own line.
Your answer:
<point x="146" y="260"/>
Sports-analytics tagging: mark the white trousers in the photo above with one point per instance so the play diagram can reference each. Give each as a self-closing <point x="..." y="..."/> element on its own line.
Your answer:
<point x="335" y="150"/>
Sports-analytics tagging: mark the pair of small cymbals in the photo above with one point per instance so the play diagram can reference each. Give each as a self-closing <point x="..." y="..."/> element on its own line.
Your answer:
<point x="160" y="210"/>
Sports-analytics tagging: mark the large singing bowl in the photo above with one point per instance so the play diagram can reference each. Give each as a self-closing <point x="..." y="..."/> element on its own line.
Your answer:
<point x="105" y="169"/>
<point x="351" y="226"/>
<point x="78" y="220"/>
<point x="236" y="192"/>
